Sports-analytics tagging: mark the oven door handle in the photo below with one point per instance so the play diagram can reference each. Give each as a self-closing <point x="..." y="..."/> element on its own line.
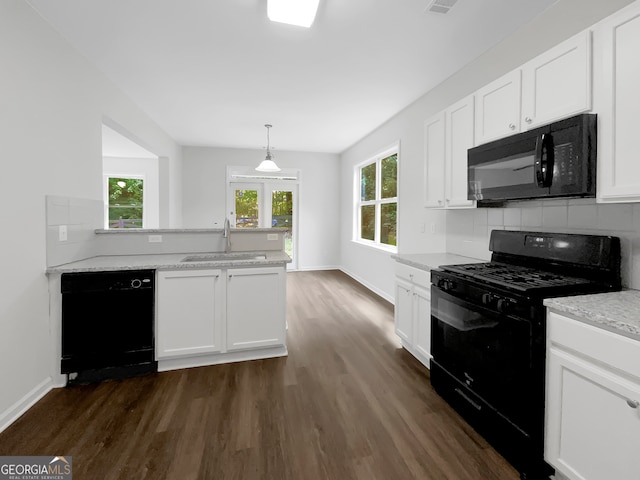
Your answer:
<point x="474" y="307"/>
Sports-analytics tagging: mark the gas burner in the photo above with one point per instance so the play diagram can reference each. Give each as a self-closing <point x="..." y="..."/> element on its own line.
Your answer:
<point x="514" y="276"/>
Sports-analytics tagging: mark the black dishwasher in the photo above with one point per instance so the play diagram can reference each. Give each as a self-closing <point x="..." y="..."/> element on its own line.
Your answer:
<point x="107" y="325"/>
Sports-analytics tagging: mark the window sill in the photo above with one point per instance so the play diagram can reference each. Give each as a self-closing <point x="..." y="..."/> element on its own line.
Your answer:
<point x="376" y="246"/>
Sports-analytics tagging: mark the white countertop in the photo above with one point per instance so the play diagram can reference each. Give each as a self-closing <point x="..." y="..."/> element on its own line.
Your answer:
<point x="429" y="261"/>
<point x="164" y="262"/>
<point x="618" y="312"/>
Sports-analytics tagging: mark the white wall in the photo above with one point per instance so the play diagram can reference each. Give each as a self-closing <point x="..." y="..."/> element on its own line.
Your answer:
<point x="52" y="106"/>
<point x="204" y="177"/>
<point x="149" y="169"/>
<point x="374" y="268"/>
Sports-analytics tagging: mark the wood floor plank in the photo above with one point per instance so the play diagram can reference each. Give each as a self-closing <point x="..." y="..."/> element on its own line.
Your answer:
<point x="347" y="403"/>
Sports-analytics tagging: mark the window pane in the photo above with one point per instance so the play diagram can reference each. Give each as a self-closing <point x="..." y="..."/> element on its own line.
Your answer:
<point x="125" y="202"/>
<point x="246" y="208"/>
<point x="368" y="222"/>
<point x="282" y="217"/>
<point x="368" y="182"/>
<point x="388" y="223"/>
<point x="390" y="176"/>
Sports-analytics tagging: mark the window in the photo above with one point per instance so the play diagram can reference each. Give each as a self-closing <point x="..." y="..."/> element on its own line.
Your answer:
<point x="377" y="200"/>
<point x="125" y="202"/>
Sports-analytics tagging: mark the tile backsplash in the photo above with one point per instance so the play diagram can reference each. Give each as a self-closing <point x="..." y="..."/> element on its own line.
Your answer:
<point x="80" y="217"/>
<point x="468" y="231"/>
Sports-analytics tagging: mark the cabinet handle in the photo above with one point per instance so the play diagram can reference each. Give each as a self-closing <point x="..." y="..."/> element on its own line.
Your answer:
<point x="633" y="403"/>
<point x="439" y="202"/>
<point x="411" y="276"/>
<point x="512" y="126"/>
<point x="528" y="119"/>
<point x="447" y="200"/>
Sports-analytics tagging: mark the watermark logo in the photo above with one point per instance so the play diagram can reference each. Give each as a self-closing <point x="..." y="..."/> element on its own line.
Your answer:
<point x="36" y="468"/>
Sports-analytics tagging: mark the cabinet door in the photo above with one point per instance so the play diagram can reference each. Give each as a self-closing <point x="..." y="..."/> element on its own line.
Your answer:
<point x="434" y="159"/>
<point x="557" y="84"/>
<point x="498" y="108"/>
<point x="188" y="313"/>
<point x="403" y="315"/>
<point x="255" y="308"/>
<point x="617" y="98"/>
<point x="459" y="129"/>
<point x="422" y="320"/>
<point x="593" y="420"/>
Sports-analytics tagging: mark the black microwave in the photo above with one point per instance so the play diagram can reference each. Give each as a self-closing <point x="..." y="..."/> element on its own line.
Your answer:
<point x="557" y="160"/>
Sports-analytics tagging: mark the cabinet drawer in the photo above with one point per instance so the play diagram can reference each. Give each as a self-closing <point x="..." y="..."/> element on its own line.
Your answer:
<point x="414" y="275"/>
<point x="612" y="349"/>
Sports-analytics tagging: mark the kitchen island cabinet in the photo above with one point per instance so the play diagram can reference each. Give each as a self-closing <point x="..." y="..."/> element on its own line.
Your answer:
<point x="210" y="316"/>
<point x="255" y="308"/>
<point x="593" y="401"/>
<point x="189" y="313"/>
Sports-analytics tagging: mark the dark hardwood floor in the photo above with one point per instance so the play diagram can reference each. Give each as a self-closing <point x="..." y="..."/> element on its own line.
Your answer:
<point x="347" y="403"/>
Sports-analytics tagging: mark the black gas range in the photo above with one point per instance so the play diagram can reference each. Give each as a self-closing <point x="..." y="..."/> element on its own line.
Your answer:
<point x="488" y="331"/>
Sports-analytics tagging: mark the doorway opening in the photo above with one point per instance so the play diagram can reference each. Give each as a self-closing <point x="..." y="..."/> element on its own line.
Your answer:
<point x="265" y="201"/>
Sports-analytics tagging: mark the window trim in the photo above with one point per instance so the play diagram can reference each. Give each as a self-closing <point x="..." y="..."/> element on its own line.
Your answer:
<point x="377" y="159"/>
<point x="106" y="177"/>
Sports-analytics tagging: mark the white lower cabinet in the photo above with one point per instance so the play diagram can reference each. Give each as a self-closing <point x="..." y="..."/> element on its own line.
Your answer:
<point x="413" y="311"/>
<point x="593" y="402"/>
<point x="255" y="308"/>
<point x="220" y="315"/>
<point x="189" y="314"/>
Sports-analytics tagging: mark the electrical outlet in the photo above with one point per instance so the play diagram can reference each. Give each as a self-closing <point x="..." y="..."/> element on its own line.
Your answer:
<point x="422" y="227"/>
<point x="62" y="233"/>
<point x="155" y="238"/>
<point x="272" y="236"/>
<point x="433" y="228"/>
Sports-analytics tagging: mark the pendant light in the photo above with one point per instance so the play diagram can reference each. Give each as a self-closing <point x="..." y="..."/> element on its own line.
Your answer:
<point x="268" y="165"/>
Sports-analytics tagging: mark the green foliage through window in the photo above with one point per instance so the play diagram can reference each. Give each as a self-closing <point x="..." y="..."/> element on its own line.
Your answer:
<point x="126" y="202"/>
<point x="378" y="205"/>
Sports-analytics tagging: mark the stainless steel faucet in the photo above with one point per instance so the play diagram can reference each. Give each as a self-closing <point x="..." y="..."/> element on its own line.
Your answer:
<point x="227" y="234"/>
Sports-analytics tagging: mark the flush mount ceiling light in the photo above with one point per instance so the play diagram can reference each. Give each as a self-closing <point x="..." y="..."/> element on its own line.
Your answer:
<point x="293" y="12"/>
<point x="268" y="165"/>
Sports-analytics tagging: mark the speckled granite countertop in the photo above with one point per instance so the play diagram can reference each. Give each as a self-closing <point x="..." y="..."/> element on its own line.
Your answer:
<point x="165" y="262"/>
<point x="429" y="261"/>
<point x="618" y="312"/>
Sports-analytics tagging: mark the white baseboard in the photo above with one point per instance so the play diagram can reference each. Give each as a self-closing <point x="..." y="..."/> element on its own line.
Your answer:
<point x="375" y="290"/>
<point x="321" y="267"/>
<point x="16" y="410"/>
<point x="167" y="364"/>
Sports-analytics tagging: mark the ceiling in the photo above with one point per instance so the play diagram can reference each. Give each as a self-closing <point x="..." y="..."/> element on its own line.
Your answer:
<point x="213" y="72"/>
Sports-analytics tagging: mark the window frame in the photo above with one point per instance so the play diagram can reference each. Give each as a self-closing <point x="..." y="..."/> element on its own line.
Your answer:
<point x="106" y="178"/>
<point x="377" y="202"/>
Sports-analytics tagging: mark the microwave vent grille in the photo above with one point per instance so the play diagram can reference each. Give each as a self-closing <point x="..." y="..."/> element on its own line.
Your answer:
<point x="440" y="6"/>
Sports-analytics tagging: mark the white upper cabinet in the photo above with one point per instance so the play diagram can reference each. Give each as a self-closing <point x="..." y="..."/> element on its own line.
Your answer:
<point x="498" y="108"/>
<point x="447" y="137"/>
<point x="557" y="84"/>
<point x="459" y="135"/>
<point x="617" y="102"/>
<point x="434" y="159"/>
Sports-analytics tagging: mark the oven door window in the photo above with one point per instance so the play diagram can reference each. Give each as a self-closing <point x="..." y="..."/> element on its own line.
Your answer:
<point x="489" y="352"/>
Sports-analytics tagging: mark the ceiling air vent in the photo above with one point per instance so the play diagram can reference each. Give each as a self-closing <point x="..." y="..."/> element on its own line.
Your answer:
<point x="440" y="6"/>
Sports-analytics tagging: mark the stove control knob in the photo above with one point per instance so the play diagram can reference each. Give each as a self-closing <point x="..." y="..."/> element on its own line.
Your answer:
<point x="445" y="284"/>
<point x="503" y="305"/>
<point x="486" y="298"/>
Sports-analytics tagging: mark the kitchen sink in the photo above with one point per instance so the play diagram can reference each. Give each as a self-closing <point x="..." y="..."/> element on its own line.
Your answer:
<point x="223" y="257"/>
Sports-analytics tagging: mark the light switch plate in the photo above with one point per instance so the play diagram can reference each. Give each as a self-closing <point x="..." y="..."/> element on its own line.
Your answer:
<point x="62" y="233"/>
<point x="272" y="236"/>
